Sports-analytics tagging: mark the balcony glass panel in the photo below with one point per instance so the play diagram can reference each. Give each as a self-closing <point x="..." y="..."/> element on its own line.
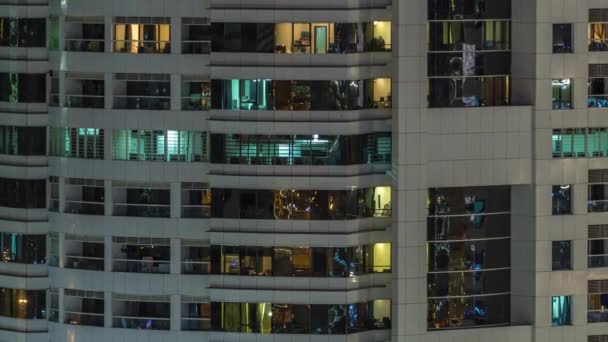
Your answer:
<point x="139" y="255"/>
<point x="301" y="204"/>
<point x="85" y="34"/>
<point x="145" y="313"/>
<point x="84" y="252"/>
<point x="142" y="35"/>
<point x="83" y="308"/>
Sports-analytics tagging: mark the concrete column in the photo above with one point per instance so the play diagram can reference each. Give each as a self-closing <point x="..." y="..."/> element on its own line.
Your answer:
<point x="107" y="253"/>
<point x="409" y="192"/>
<point x="107" y="144"/>
<point x="176" y="35"/>
<point x="61" y="24"/>
<point x="176" y="312"/>
<point x="109" y="34"/>
<point x="61" y="249"/>
<point x="107" y="308"/>
<point x="61" y="194"/>
<point x="61" y="308"/>
<point x="61" y="76"/>
<point x="176" y="256"/>
<point x="107" y="185"/>
<point x="108" y="88"/>
<point x="176" y="200"/>
<point x="176" y="92"/>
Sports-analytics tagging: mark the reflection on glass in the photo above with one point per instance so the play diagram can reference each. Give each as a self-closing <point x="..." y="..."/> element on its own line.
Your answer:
<point x="561" y="199"/>
<point x="301" y="204"/>
<point x="468" y="312"/>
<point x="20" y="248"/>
<point x="302" y="37"/>
<point x="265" y="94"/>
<point x="562" y="93"/>
<point x="560" y="310"/>
<point x="272" y="318"/>
<point x="301" y="261"/>
<point x="22" y="32"/>
<point x="22" y="304"/>
<point x="468" y="9"/>
<point x="468" y="257"/>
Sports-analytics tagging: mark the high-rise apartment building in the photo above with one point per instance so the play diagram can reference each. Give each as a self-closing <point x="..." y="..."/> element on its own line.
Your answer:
<point x="303" y="170"/>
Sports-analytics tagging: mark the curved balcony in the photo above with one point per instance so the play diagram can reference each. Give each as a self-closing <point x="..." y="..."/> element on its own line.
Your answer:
<point x="23" y="325"/>
<point x="31" y="55"/>
<point x="91" y="62"/>
<point x="128" y="226"/>
<point x="65" y="332"/>
<point x="352" y="60"/>
<point x="125" y="118"/>
<point x="305" y="128"/>
<point x="316" y="285"/>
<point x="301" y="4"/>
<point x="122" y="282"/>
<point x="299" y="170"/>
<point x="129" y="170"/>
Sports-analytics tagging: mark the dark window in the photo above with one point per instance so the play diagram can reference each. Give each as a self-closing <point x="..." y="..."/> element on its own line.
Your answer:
<point x="22" y="88"/>
<point x="468" y="254"/>
<point x="26" y="141"/>
<point x="562" y="199"/>
<point x="475" y="92"/>
<point x="561" y="255"/>
<point x="23" y="32"/>
<point x="22" y="193"/>
<point x="468" y="312"/>
<point x="26" y="249"/>
<point x="468" y="9"/>
<point x="562" y="38"/>
<point x="470" y="200"/>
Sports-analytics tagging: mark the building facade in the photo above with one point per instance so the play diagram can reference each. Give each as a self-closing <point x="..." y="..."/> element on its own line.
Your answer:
<point x="361" y="170"/>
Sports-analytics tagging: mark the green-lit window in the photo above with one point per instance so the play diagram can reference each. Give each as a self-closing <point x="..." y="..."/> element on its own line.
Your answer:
<point x="560" y="310"/>
<point x="557" y="143"/>
<point x="597" y="142"/>
<point x="54" y="33"/>
<point x="159" y="145"/>
<point x="579" y="142"/>
<point x="85" y="143"/>
<point x="53" y="249"/>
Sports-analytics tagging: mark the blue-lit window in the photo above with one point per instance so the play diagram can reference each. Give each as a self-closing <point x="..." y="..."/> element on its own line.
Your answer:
<point x="560" y="310"/>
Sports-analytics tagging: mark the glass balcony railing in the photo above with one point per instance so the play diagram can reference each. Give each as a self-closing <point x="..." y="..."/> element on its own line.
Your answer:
<point x="142" y="102"/>
<point x="141" y="323"/>
<point x="84" y="45"/>
<point x="148" y="265"/>
<point x="80" y="318"/>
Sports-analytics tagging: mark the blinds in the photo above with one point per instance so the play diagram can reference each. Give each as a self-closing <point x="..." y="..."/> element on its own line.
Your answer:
<point x="159" y="145"/>
<point x="87" y="143"/>
<point x="597" y="286"/>
<point x="597" y="231"/>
